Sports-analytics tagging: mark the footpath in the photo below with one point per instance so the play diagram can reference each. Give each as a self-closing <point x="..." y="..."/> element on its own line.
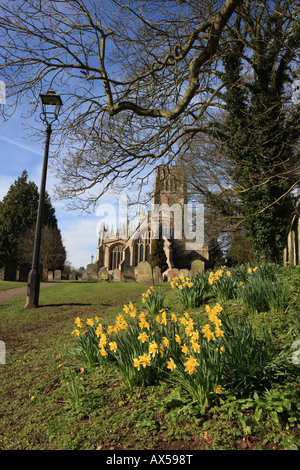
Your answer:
<point x="9" y="294"/>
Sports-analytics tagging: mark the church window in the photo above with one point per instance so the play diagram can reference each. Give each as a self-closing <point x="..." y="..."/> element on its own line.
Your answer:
<point x="142" y="249"/>
<point x="116" y="256"/>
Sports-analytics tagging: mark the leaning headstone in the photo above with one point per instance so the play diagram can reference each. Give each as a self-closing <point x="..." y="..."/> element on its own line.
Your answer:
<point x="145" y="273"/>
<point x="157" y="275"/>
<point x="92" y="272"/>
<point x="45" y="275"/>
<point x="57" y="275"/>
<point x="197" y="266"/>
<point x="50" y="275"/>
<point x="2" y="270"/>
<point x="103" y="275"/>
<point x="24" y="271"/>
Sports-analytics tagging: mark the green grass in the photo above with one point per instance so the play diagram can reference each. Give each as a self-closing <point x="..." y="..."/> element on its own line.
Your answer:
<point x="6" y="285"/>
<point x="50" y="402"/>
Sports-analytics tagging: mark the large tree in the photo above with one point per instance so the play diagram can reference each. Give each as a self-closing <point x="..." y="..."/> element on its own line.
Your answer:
<point x="141" y="79"/>
<point x="249" y="170"/>
<point x="18" y="212"/>
<point x="134" y="78"/>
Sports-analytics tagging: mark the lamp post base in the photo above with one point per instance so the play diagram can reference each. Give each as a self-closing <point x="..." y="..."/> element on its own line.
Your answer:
<point x="33" y="289"/>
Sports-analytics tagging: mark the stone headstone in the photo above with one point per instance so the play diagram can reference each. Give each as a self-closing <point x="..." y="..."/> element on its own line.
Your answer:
<point x="173" y="272"/>
<point x="92" y="272"/>
<point x="2" y="270"/>
<point x="50" y="275"/>
<point x="117" y="277"/>
<point x="197" y="266"/>
<point x="184" y="272"/>
<point x="103" y="275"/>
<point x="157" y="275"/>
<point x="84" y="276"/>
<point x="45" y="275"/>
<point x="57" y="275"/>
<point x="144" y="275"/>
<point x="128" y="274"/>
<point x="24" y="270"/>
<point x="10" y="272"/>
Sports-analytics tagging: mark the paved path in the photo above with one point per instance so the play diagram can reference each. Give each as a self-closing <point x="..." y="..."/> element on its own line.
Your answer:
<point x="9" y="294"/>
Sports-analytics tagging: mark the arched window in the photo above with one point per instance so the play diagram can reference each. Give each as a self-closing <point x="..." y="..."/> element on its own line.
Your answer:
<point x="142" y="248"/>
<point x="116" y="256"/>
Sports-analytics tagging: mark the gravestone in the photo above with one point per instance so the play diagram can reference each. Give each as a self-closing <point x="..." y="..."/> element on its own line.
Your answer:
<point x="173" y="272"/>
<point x="10" y="272"/>
<point x="45" y="275"/>
<point x="92" y="272"/>
<point x="24" y="271"/>
<point x="57" y="275"/>
<point x="197" y="266"/>
<point x="157" y="275"/>
<point x="144" y="275"/>
<point x="50" y="275"/>
<point x="2" y="270"/>
<point x="184" y="272"/>
<point x="117" y="275"/>
<point x="103" y="275"/>
<point x="128" y="274"/>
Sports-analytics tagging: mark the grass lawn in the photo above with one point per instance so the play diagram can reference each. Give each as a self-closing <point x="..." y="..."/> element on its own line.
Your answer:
<point x="6" y="285"/>
<point x="48" y="401"/>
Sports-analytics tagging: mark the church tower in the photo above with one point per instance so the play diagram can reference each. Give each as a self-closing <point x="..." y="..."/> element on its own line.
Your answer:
<point x="170" y="185"/>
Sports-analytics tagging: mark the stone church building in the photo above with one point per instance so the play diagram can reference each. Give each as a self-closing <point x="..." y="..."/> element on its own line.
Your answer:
<point x="121" y="251"/>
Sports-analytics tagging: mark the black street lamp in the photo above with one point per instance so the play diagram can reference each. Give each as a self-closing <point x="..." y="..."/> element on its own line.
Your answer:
<point x="51" y="104"/>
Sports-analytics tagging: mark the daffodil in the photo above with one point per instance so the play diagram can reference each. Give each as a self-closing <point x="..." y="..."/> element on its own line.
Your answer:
<point x="195" y="347"/>
<point x="171" y="364"/>
<point x="153" y="348"/>
<point x="191" y="365"/>
<point x="177" y="339"/>
<point x="136" y="363"/>
<point x="143" y="337"/>
<point x="126" y="309"/>
<point x="76" y="332"/>
<point x="166" y="341"/>
<point x="79" y="323"/>
<point x="185" y="349"/>
<point x="209" y="335"/>
<point x="145" y="360"/>
<point x="113" y="346"/>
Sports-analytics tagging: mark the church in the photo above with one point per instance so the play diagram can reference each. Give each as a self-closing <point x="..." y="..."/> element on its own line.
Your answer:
<point x="121" y="251"/>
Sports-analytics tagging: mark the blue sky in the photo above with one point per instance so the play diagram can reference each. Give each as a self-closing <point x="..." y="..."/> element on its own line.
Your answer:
<point x="19" y="152"/>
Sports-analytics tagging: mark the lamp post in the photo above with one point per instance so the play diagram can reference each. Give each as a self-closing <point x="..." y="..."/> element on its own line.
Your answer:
<point x="51" y="104"/>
